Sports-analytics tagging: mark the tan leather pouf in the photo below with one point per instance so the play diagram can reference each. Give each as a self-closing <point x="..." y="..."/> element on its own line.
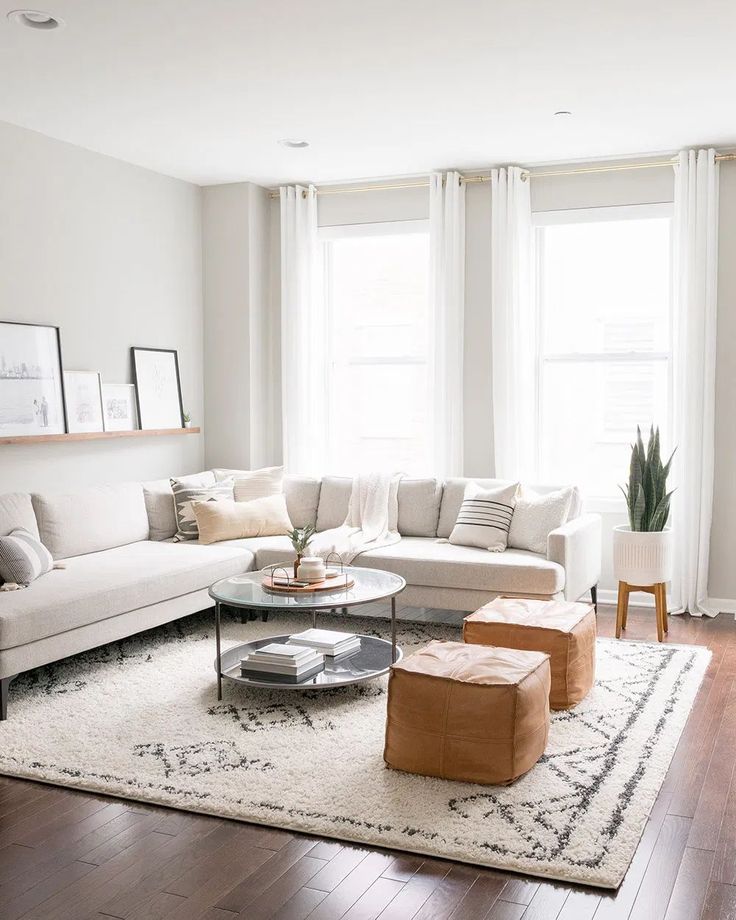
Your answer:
<point x="565" y="630"/>
<point x="467" y="712"/>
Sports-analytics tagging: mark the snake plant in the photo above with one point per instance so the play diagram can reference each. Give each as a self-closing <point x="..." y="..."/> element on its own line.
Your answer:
<point x="646" y="494"/>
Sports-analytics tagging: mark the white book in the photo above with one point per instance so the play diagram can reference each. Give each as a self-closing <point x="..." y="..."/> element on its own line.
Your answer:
<point x="305" y="652"/>
<point x="271" y="668"/>
<point x="281" y="649"/>
<point x="286" y="666"/>
<point x="321" y="638"/>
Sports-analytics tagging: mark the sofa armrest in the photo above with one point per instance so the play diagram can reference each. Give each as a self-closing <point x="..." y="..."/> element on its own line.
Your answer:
<point x="576" y="546"/>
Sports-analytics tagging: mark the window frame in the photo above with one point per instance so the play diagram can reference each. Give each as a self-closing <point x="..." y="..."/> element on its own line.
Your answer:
<point x="606" y="214"/>
<point x="325" y="236"/>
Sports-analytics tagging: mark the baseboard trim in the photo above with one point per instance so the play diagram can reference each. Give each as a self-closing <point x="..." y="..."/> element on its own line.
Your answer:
<point x="610" y="596"/>
<point x="723" y="604"/>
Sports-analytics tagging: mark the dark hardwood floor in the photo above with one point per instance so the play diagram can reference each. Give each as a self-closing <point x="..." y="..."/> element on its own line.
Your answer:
<point x="67" y="855"/>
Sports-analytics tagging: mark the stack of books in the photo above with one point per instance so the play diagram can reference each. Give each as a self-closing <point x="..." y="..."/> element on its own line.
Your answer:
<point x="282" y="662"/>
<point x="327" y="641"/>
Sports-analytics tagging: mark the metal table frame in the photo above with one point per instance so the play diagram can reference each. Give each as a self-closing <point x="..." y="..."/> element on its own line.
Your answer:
<point x="314" y="611"/>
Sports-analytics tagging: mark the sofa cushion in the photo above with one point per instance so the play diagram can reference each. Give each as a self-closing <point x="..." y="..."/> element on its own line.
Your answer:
<point x="267" y="550"/>
<point x="92" y="519"/>
<point x="160" y="509"/>
<point x="101" y="585"/>
<point x="419" y="507"/>
<point x="302" y="499"/>
<point x="454" y="491"/>
<point x="334" y="502"/>
<point x="424" y="561"/>
<point x="16" y="512"/>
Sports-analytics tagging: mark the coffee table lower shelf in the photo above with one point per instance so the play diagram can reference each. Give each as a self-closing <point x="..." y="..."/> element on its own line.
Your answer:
<point x="373" y="659"/>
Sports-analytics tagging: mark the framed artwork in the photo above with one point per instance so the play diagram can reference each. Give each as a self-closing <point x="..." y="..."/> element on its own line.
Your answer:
<point x="118" y="407"/>
<point x="158" y="387"/>
<point x="83" y="401"/>
<point x="31" y="381"/>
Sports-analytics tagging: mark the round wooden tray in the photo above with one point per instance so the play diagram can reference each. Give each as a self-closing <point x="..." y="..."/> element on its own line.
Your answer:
<point x="338" y="583"/>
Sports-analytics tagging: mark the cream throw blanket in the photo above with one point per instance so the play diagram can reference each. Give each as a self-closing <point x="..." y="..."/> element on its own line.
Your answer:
<point x="372" y="519"/>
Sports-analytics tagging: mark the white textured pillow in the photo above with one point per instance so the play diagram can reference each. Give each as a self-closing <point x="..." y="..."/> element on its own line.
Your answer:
<point x="262" y="517"/>
<point x="484" y="517"/>
<point x="250" y="484"/>
<point x="536" y="516"/>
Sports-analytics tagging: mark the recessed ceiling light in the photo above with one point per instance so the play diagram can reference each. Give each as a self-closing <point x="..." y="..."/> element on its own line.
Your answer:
<point x="35" y="19"/>
<point x="563" y="113"/>
<point x="293" y="142"/>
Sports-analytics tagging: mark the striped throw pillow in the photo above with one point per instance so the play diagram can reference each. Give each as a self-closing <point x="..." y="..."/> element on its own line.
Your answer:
<point x="185" y="494"/>
<point x="485" y="517"/>
<point x="23" y="558"/>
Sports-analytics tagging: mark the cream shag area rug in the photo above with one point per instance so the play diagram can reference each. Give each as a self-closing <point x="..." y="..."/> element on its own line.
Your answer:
<point x="140" y="719"/>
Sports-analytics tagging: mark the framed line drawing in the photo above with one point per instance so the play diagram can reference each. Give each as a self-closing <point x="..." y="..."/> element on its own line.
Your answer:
<point x="83" y="401"/>
<point x="157" y="387"/>
<point x="119" y="407"/>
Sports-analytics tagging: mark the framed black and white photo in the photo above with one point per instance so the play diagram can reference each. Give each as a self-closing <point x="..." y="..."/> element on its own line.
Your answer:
<point x="31" y="381"/>
<point x="118" y="407"/>
<point x="158" y="388"/>
<point x="83" y="401"/>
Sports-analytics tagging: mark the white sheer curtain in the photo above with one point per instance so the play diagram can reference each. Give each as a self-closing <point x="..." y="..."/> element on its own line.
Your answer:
<point x="447" y="273"/>
<point x="303" y="335"/>
<point x="695" y="272"/>
<point x="513" y="326"/>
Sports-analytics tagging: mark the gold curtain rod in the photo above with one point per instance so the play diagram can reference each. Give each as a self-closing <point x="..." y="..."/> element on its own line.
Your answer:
<point x="530" y="174"/>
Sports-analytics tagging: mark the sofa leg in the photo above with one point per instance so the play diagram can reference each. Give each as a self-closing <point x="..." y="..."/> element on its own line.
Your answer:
<point x="4" y="685"/>
<point x="264" y="616"/>
<point x="594" y="597"/>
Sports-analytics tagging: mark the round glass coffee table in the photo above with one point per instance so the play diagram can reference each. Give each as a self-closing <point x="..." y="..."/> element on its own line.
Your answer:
<point x="374" y="657"/>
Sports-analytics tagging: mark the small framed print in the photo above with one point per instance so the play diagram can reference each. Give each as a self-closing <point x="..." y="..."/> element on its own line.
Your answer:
<point x="158" y="388"/>
<point x="83" y="401"/>
<point x="31" y="381"/>
<point x="119" y="407"/>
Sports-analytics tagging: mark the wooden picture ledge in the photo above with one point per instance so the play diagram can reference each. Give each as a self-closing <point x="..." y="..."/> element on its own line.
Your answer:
<point x="97" y="435"/>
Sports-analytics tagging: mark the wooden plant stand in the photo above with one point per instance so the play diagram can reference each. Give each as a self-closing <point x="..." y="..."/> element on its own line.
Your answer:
<point x="660" y="603"/>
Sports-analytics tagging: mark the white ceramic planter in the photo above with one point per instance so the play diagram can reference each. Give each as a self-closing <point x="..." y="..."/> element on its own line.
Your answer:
<point x="640" y="557"/>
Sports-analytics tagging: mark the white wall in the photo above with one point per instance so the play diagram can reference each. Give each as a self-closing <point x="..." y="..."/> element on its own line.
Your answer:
<point x="239" y="392"/>
<point x="111" y="253"/>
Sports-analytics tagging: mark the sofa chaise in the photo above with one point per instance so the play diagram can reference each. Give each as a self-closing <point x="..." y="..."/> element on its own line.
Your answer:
<point x="123" y="573"/>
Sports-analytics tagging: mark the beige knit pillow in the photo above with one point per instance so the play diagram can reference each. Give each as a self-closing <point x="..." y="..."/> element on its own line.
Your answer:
<point x="262" y="517"/>
<point x="250" y="484"/>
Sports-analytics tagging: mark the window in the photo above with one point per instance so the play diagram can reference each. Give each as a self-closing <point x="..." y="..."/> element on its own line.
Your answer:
<point x="376" y="286"/>
<point x="604" y="344"/>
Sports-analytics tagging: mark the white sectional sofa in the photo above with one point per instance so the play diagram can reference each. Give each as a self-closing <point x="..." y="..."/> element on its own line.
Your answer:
<point x="122" y="573"/>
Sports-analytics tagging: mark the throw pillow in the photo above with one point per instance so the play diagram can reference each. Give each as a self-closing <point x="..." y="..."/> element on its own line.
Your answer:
<point x="484" y="517"/>
<point x="250" y="484"/>
<point x="262" y="517"/>
<point x="23" y="558"/>
<point x="536" y="516"/>
<point x="184" y="497"/>
<point x="160" y="503"/>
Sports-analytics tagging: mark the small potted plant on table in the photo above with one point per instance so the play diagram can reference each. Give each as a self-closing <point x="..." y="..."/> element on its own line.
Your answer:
<point x="642" y="550"/>
<point x="300" y="537"/>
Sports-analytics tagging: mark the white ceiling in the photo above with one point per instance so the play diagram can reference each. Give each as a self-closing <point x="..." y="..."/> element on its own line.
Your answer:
<point x="203" y="89"/>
